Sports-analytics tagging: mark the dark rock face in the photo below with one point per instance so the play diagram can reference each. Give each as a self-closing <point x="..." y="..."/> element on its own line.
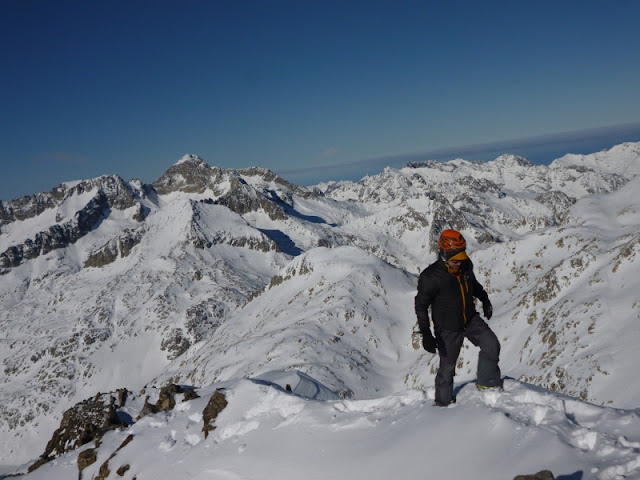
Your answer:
<point x="202" y="237"/>
<point x="217" y="403"/>
<point x="192" y="175"/>
<point x="269" y="176"/>
<point x="166" y="400"/>
<point x="29" y="206"/>
<point x="87" y="421"/>
<point x="190" y="395"/>
<point x="175" y="343"/>
<point x="86" y="458"/>
<point x="542" y="475"/>
<point x="117" y="247"/>
<point x="243" y="199"/>
<point x="58" y="236"/>
<point x="90" y="419"/>
<point x="118" y="193"/>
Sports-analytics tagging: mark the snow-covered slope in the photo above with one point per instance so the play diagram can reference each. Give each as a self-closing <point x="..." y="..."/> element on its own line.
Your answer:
<point x="267" y="432"/>
<point x="341" y="315"/>
<point x="211" y="275"/>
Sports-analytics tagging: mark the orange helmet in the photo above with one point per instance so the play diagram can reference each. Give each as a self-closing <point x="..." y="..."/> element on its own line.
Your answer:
<point x="452" y="246"/>
<point x="451" y="240"/>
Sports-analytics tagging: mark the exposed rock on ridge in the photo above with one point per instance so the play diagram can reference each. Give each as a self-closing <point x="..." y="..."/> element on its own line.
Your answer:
<point x="190" y="175"/>
<point x="87" y="421"/>
<point x="117" y="247"/>
<point x="111" y="192"/>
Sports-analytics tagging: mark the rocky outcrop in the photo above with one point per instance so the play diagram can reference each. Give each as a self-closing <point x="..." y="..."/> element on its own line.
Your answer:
<point x="542" y="475"/>
<point x="202" y="321"/>
<point x="202" y="237"/>
<point x="87" y="421"/>
<point x="242" y="199"/>
<point x="175" y="343"/>
<point x="119" y="247"/>
<point x="558" y="202"/>
<point x="166" y="400"/>
<point x="29" y="206"/>
<point x="204" y="318"/>
<point x="90" y="419"/>
<point x="270" y="177"/>
<point x="217" y="403"/>
<point x="87" y="458"/>
<point x="190" y="175"/>
<point x="119" y="195"/>
<point x="58" y="236"/>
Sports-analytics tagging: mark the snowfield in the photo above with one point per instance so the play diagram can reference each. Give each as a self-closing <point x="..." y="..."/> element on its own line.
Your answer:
<point x="267" y="432"/>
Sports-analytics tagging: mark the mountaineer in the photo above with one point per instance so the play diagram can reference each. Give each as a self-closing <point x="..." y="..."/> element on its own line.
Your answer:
<point x="449" y="287"/>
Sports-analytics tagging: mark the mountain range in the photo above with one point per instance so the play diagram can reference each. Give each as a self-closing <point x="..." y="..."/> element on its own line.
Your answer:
<point x="211" y="275"/>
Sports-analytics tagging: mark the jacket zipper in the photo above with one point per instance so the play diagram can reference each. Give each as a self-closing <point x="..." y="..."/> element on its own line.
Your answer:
<point x="464" y="296"/>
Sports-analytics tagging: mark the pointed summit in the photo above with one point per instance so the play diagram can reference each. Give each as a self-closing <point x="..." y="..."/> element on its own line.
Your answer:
<point x="191" y="158"/>
<point x="190" y="174"/>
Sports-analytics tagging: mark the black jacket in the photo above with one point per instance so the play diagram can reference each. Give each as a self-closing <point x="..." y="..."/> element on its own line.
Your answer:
<point x="449" y="296"/>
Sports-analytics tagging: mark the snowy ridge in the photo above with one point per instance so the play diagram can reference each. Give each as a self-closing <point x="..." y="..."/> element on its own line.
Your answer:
<point x="33" y="226"/>
<point x="267" y="432"/>
<point x="620" y="159"/>
<point x="213" y="275"/>
<point x="332" y="313"/>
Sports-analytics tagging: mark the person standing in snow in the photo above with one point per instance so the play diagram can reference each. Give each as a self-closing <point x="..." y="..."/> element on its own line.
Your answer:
<point x="448" y="286"/>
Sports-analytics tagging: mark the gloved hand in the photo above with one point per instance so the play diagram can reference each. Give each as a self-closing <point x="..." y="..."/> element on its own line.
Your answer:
<point x="487" y="309"/>
<point x="428" y="342"/>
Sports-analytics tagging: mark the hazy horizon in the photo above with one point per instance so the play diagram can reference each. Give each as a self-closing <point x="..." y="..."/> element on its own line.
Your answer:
<point x="313" y="91"/>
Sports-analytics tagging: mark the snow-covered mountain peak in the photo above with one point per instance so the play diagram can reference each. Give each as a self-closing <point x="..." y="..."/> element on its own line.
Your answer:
<point x="509" y="160"/>
<point x="190" y="158"/>
<point x="623" y="159"/>
<point x="191" y="175"/>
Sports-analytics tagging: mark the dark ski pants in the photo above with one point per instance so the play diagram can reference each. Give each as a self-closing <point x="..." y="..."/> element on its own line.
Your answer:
<point x="449" y="344"/>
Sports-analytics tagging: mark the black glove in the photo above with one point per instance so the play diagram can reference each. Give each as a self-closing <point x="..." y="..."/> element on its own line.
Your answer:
<point x="487" y="309"/>
<point x="428" y="342"/>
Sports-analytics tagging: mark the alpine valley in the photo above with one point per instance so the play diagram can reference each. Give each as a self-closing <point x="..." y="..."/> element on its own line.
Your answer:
<point x="298" y="303"/>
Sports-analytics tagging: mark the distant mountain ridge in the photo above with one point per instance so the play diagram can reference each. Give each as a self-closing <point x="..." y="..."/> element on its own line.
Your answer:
<point x="621" y="159"/>
<point x="209" y="274"/>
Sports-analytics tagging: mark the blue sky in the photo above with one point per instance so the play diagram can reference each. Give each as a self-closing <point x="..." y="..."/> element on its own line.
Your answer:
<point x="313" y="90"/>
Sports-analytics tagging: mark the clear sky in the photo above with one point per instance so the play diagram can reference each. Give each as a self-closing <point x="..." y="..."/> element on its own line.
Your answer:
<point x="311" y="89"/>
